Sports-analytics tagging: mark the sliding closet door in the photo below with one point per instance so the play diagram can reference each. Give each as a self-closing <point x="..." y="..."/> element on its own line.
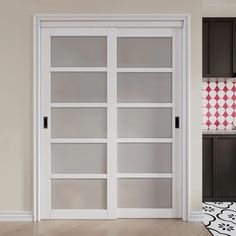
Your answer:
<point x="76" y="110"/>
<point x="109" y="147"/>
<point x="147" y="106"/>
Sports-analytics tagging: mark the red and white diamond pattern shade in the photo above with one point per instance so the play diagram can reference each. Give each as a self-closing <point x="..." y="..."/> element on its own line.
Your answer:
<point x="218" y="105"/>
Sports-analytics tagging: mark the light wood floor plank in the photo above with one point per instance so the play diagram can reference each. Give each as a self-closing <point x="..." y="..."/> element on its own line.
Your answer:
<point x="120" y="227"/>
<point x="159" y="226"/>
<point x="9" y="227"/>
<point x="205" y="232"/>
<point x="193" y="229"/>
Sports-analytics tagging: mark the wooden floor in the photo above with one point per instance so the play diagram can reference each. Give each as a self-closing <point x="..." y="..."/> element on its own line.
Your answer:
<point x="122" y="227"/>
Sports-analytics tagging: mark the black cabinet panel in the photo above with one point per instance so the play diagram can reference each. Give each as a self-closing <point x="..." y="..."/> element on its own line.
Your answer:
<point x="234" y="47"/>
<point x="225" y="167"/>
<point x="218" y="47"/>
<point x="206" y="48"/>
<point x="219" y="167"/>
<point x="221" y="48"/>
<point x="208" y="152"/>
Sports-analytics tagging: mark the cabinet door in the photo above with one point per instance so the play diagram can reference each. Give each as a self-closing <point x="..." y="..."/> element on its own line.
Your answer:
<point x="225" y="168"/>
<point x="222" y="48"/>
<point x="206" y="48"/>
<point x="218" y="47"/>
<point x="208" y="153"/>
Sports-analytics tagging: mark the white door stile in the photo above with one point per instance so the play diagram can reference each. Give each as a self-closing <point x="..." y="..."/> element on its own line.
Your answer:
<point x="185" y="134"/>
<point x="176" y="110"/>
<point x="177" y="161"/>
<point x="174" y="114"/>
<point x="112" y="123"/>
<point x="37" y="70"/>
<point x="45" y="163"/>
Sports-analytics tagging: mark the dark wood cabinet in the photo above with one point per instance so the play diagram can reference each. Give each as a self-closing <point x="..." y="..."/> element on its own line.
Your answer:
<point x="219" y="36"/>
<point x="219" y="167"/>
<point x="225" y="167"/>
<point x="206" y="48"/>
<point x="207" y="164"/>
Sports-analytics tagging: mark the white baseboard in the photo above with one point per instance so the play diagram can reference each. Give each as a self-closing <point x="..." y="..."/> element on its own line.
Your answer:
<point x="16" y="216"/>
<point x="196" y="216"/>
<point x="28" y="216"/>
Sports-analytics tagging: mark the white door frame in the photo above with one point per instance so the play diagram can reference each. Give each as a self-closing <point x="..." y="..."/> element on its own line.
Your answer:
<point x="113" y="20"/>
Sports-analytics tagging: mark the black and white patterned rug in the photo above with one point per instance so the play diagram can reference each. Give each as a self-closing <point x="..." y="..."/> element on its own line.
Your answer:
<point x="220" y="217"/>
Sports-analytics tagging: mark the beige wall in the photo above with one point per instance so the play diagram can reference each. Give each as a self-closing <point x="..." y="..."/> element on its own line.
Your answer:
<point x="16" y="86"/>
<point x="219" y="8"/>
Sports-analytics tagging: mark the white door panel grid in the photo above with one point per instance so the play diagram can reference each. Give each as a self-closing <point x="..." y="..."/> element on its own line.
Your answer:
<point x="111" y="121"/>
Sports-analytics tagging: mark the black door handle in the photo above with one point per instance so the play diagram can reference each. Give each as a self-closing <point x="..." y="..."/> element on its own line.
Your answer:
<point x="45" y="122"/>
<point x="177" y="122"/>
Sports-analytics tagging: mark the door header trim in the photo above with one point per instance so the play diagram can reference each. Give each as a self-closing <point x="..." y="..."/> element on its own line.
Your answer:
<point x="111" y="20"/>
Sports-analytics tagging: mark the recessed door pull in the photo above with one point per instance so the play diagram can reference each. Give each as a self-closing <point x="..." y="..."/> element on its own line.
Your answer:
<point x="177" y="122"/>
<point x="45" y="122"/>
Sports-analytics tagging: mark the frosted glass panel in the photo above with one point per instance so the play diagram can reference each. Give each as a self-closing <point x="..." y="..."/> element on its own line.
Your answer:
<point x="78" y="87"/>
<point x="144" y="52"/>
<point x="79" y="158"/>
<point x="144" y="123"/>
<point x="144" y="193"/>
<point x="79" y="51"/>
<point x="79" y="122"/>
<point x="145" y="158"/>
<point x="79" y="194"/>
<point x="144" y="87"/>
